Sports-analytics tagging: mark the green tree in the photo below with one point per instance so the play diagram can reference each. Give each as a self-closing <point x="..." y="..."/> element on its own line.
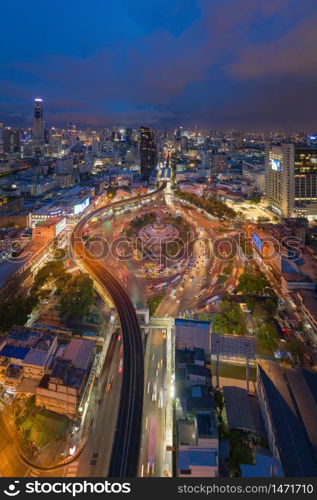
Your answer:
<point x="77" y="296"/>
<point x="267" y="337"/>
<point x="296" y="349"/>
<point x="49" y="273"/>
<point x="30" y="403"/>
<point x="229" y="319"/>
<point x="204" y="316"/>
<point x="219" y="400"/>
<point x="253" y="283"/>
<point x="212" y="205"/>
<point x="240" y="449"/>
<point x="16" y="311"/>
<point x="262" y="309"/>
<point x="154" y="302"/>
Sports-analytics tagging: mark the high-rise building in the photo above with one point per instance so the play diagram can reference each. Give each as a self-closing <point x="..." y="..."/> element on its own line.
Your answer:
<point x="219" y="162"/>
<point x="147" y="150"/>
<point x="311" y="140"/>
<point x="56" y="145"/>
<point x="279" y="178"/>
<point x="11" y="140"/>
<point x="128" y="136"/>
<point x="291" y="179"/>
<point x="183" y="144"/>
<point x="38" y="123"/>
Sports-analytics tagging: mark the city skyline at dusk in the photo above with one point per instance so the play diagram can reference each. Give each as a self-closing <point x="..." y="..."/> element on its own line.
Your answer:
<point x="247" y="65"/>
<point x="158" y="247"/>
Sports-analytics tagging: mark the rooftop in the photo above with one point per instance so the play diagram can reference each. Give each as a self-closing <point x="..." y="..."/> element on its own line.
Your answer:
<point x="10" y="351"/>
<point x="233" y="346"/>
<point x="239" y="412"/>
<point x="79" y="352"/>
<point x="199" y="371"/>
<point x="187" y="432"/>
<point x="195" y="457"/>
<point x="293" y="448"/>
<point x="309" y="300"/>
<point x="190" y="323"/>
<point x="35" y="357"/>
<point x="303" y="387"/>
<point x="263" y="467"/>
<point x="297" y="277"/>
<point x="199" y="397"/>
<point x="9" y="267"/>
<point x="67" y="374"/>
<point x="206" y="426"/>
<point x="189" y="356"/>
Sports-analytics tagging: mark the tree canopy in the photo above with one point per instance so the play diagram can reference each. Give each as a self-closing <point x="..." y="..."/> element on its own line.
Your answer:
<point x="212" y="205"/>
<point x="49" y="273"/>
<point x="16" y="310"/>
<point x="253" y="283"/>
<point x="229" y="319"/>
<point x="267" y="337"/>
<point x="77" y="296"/>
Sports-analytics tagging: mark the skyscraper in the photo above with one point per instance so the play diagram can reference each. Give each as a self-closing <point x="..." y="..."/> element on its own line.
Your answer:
<point x="11" y="140"/>
<point x="291" y="179"/>
<point x="38" y="123"/>
<point x="147" y="150"/>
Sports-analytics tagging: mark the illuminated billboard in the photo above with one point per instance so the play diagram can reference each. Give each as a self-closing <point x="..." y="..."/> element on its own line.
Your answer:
<point x="257" y="242"/>
<point x="80" y="207"/>
<point x="60" y="226"/>
<point x="275" y="165"/>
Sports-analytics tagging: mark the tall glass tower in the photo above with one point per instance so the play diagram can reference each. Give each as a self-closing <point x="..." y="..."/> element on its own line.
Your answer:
<point x="38" y="123"/>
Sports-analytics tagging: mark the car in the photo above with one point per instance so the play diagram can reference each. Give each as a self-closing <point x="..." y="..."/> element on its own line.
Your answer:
<point x="120" y="369"/>
<point x="154" y="392"/>
<point x="109" y="383"/>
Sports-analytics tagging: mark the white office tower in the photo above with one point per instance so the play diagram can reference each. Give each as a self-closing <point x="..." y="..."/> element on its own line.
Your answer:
<point x="291" y="179"/>
<point x="279" y="178"/>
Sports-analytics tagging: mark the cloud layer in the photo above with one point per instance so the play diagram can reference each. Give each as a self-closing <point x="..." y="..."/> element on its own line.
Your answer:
<point x="235" y="63"/>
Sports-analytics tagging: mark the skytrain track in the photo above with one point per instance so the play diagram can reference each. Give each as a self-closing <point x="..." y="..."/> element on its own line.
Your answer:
<point x="126" y="445"/>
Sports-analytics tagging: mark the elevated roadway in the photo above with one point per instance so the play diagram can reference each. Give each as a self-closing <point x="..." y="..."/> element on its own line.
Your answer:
<point x="126" y="447"/>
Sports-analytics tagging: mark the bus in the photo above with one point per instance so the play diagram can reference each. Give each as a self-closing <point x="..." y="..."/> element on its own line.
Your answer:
<point x="176" y="279"/>
<point x="160" y="286"/>
<point x="215" y="298"/>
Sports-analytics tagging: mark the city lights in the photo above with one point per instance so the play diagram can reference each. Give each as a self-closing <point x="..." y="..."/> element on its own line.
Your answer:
<point x="158" y="248"/>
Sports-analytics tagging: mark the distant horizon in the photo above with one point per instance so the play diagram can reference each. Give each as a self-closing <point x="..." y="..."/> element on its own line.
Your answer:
<point x="27" y="124"/>
<point x="235" y="64"/>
